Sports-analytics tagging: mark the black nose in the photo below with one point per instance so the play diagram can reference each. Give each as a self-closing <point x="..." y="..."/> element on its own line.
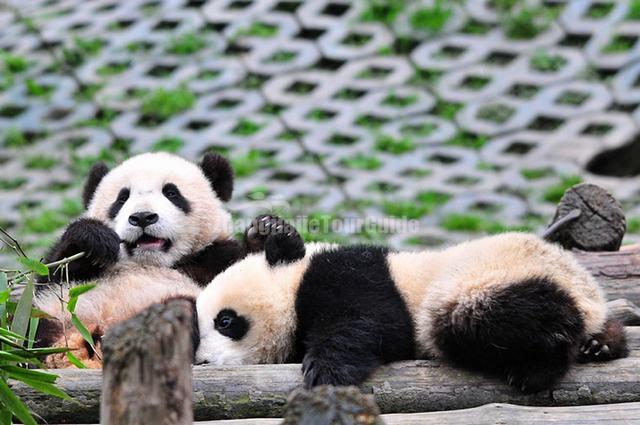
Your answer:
<point x="143" y="219"/>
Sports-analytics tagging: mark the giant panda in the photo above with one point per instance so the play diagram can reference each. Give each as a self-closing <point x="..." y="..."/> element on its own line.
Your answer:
<point x="510" y="305"/>
<point x="155" y="227"/>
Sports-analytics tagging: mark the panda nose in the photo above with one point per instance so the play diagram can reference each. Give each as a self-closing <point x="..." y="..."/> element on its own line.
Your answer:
<point x="143" y="219"/>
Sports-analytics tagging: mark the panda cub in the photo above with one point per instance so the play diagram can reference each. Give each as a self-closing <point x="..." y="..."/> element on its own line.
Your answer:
<point x="155" y="227"/>
<point x="510" y="305"/>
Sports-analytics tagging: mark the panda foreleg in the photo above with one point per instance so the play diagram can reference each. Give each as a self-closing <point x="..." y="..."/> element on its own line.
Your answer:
<point x="342" y="357"/>
<point x="100" y="244"/>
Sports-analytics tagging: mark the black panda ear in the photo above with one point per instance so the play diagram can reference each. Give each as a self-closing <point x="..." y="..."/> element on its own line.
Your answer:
<point x="219" y="173"/>
<point x="283" y="248"/>
<point x="96" y="174"/>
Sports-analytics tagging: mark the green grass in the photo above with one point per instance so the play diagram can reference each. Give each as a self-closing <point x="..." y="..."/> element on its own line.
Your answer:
<point x="447" y="110"/>
<point x="168" y="144"/>
<point x="432" y="19"/>
<point x="40" y="162"/>
<point x="599" y="10"/>
<point x="12" y="183"/>
<point x="46" y="221"/>
<point x="620" y="44"/>
<point x="87" y="91"/>
<point x="186" y="44"/>
<point x="282" y="56"/>
<point x="14" y="63"/>
<point x="397" y="101"/>
<point x="404" y="209"/>
<point x="246" y="127"/>
<point x="162" y="104"/>
<point x="384" y="11"/>
<point x="38" y="90"/>
<point x="554" y="193"/>
<point x="475" y="223"/>
<point x="634" y="10"/>
<point x="475" y="82"/>
<point x="15" y="138"/>
<point x="259" y="29"/>
<point x="633" y="225"/>
<point x="248" y="164"/>
<point x="468" y="140"/>
<point x="90" y="47"/>
<point x="476" y="28"/>
<point x="425" y="77"/>
<point x="545" y="62"/>
<point x="258" y="193"/>
<point x="432" y="199"/>
<point x="389" y="144"/>
<point x="114" y="68"/>
<point x="362" y="162"/>
<point x="102" y="119"/>
<point x="505" y="5"/>
<point x="526" y="23"/>
<point x="536" y="173"/>
<point x="497" y="112"/>
<point x="418" y="130"/>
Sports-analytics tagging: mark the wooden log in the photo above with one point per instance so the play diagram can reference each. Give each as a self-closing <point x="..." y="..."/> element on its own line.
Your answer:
<point x="625" y="311"/>
<point x="617" y="272"/>
<point x="147" y="372"/>
<point x="497" y="413"/>
<point x="416" y="386"/>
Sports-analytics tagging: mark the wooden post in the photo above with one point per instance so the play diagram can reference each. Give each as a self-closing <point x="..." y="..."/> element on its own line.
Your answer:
<point x="147" y="368"/>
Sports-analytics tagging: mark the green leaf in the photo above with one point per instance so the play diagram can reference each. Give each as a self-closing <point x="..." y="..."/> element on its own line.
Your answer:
<point x="35" y="266"/>
<point x="23" y="310"/>
<point x="75" y="292"/>
<point x="15" y="405"/>
<point x="83" y="330"/>
<point x="10" y="357"/>
<point x="46" y="388"/>
<point x="3" y="306"/>
<point x="37" y="352"/>
<point x="18" y="373"/>
<point x="81" y="289"/>
<point x="11" y="309"/>
<point x="4" y="296"/>
<point x="9" y="334"/>
<point x="33" y="328"/>
<point x="5" y="416"/>
<point x="75" y="361"/>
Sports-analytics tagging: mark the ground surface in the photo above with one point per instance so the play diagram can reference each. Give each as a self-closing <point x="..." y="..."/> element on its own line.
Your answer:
<point x="468" y="117"/>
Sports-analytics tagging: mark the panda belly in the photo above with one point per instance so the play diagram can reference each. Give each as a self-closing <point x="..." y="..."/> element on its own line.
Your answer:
<point x="509" y="304"/>
<point x="118" y="296"/>
<point x="349" y="312"/>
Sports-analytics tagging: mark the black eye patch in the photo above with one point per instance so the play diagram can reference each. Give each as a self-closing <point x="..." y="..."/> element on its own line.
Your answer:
<point x="229" y="324"/>
<point x="172" y="193"/>
<point x="114" y="209"/>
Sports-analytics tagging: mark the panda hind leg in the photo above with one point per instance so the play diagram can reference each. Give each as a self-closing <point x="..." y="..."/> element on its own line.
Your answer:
<point x="527" y="332"/>
<point x="609" y="344"/>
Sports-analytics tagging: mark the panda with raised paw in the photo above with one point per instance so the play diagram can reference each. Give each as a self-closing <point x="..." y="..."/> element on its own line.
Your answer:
<point x="155" y="228"/>
<point x="510" y="305"/>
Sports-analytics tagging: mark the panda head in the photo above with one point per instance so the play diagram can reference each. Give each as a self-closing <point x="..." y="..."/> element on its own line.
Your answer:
<point x="162" y="206"/>
<point x="246" y="315"/>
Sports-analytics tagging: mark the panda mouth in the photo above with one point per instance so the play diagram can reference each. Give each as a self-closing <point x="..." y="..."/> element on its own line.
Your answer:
<point x="150" y="243"/>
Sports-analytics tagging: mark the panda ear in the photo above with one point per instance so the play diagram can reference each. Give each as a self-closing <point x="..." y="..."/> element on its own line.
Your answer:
<point x="96" y="174"/>
<point x="219" y="173"/>
<point x="283" y="248"/>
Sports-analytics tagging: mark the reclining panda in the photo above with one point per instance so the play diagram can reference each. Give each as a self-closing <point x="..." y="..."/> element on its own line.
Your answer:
<point x="511" y="305"/>
<point x="155" y="228"/>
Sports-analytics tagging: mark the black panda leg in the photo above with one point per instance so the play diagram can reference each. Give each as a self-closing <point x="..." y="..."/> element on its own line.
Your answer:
<point x="527" y="332"/>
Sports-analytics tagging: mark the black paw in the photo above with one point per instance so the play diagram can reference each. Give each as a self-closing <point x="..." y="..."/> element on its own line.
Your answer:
<point x="261" y="227"/>
<point x="315" y="372"/>
<point x="594" y="350"/>
<point x="100" y="243"/>
<point x="534" y="378"/>
<point x="284" y="248"/>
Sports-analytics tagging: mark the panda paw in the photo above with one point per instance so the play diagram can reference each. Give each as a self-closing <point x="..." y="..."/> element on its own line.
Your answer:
<point x="263" y="226"/>
<point x="610" y="344"/>
<point x="100" y="243"/>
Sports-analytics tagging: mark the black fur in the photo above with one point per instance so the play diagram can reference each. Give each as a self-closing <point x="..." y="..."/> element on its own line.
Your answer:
<point x="204" y="265"/>
<point x="351" y="317"/>
<point x="283" y="248"/>
<point x="96" y="174"/>
<point x="49" y="331"/>
<point x="219" y="173"/>
<point x="609" y="344"/>
<point x="99" y="242"/>
<point x="114" y="209"/>
<point x="527" y="332"/>
<point x="172" y="193"/>
<point x="229" y="324"/>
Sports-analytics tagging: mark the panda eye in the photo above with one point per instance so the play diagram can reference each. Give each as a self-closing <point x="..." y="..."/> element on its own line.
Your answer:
<point x="224" y="322"/>
<point x="123" y="196"/>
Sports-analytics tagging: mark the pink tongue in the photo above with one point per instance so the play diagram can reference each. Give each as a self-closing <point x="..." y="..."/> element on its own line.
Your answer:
<point x="151" y="244"/>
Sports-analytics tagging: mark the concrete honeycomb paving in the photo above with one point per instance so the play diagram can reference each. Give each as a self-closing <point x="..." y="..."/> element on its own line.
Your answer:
<point x="326" y="108"/>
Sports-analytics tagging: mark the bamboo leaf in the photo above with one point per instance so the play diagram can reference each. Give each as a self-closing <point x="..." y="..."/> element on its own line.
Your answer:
<point x="15" y="405"/>
<point x="5" y="416"/>
<point x="37" y="352"/>
<point x="21" y="317"/>
<point x="4" y="296"/>
<point x="33" y="328"/>
<point x="18" y="373"/>
<point x="11" y="309"/>
<point x="35" y="266"/>
<point x="78" y="290"/>
<point x="46" y="388"/>
<point x="75" y="361"/>
<point x="10" y="357"/>
<point x="83" y="330"/>
<point x="3" y="306"/>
